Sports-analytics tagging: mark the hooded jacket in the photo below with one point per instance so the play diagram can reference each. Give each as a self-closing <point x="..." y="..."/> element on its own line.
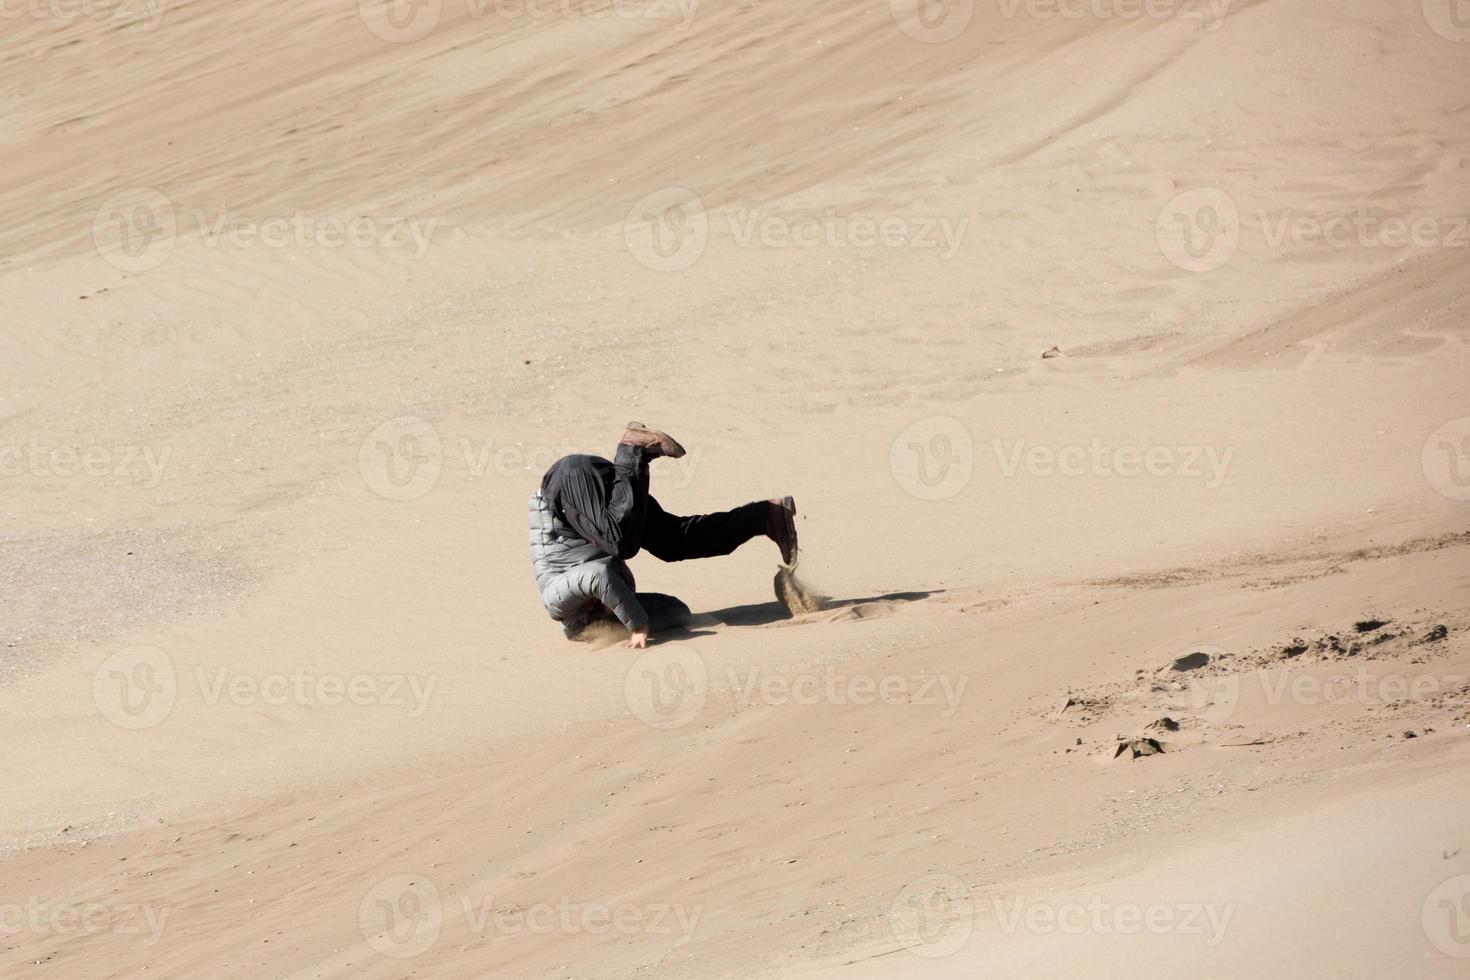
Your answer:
<point x="576" y="577"/>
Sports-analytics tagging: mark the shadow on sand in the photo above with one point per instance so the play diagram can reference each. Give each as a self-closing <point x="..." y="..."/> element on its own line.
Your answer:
<point x="765" y="613"/>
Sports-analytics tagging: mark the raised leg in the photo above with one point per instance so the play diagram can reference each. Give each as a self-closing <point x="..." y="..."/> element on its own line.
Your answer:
<point x="669" y="537"/>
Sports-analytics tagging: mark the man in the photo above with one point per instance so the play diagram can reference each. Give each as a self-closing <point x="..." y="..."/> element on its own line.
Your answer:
<point x="591" y="515"/>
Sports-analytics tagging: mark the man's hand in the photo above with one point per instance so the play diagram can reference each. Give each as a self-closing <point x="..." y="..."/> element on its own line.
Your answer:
<point x="639" y="639"/>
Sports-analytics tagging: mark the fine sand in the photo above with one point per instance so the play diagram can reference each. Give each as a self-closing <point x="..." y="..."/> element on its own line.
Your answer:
<point x="1148" y="656"/>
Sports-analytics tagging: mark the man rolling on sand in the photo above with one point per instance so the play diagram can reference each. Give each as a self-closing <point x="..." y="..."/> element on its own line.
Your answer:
<point x="591" y="515"/>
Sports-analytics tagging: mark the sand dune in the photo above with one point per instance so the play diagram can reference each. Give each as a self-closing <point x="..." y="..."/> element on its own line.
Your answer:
<point x="301" y="300"/>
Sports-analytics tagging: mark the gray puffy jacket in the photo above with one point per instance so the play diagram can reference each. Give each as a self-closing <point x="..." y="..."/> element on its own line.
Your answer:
<point x="576" y="578"/>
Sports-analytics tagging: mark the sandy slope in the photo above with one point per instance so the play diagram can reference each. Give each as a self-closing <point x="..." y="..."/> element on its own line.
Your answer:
<point x="250" y="476"/>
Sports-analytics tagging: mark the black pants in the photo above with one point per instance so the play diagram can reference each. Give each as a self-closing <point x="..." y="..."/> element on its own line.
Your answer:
<point x="669" y="537"/>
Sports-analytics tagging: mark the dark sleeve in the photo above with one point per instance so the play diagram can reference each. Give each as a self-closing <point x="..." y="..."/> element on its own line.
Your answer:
<point x="609" y="513"/>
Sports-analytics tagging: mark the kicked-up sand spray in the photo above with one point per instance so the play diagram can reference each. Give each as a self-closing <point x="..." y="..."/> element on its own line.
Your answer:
<point x="793" y="594"/>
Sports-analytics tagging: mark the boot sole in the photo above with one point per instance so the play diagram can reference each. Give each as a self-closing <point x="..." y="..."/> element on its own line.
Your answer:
<point x="788" y="506"/>
<point x="668" y="445"/>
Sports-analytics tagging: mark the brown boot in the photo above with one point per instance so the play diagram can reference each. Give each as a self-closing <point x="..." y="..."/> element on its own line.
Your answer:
<point x="654" y="442"/>
<point x="781" y="528"/>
